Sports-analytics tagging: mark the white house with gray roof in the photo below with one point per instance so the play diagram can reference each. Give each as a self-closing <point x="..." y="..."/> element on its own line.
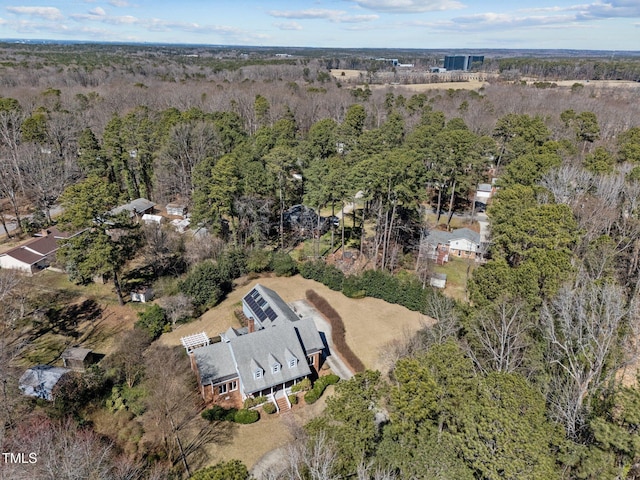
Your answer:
<point x="275" y="351"/>
<point x="440" y="246"/>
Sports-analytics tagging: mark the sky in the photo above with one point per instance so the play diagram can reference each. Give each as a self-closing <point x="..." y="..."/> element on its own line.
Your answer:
<point x="550" y="24"/>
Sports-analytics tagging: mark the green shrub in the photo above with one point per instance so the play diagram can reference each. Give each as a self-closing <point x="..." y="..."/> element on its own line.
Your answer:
<point x="153" y="320"/>
<point x="351" y="287"/>
<point x="246" y="416"/>
<point x="231" y="470"/>
<point x="311" y="396"/>
<point x="293" y="399"/>
<point x="217" y="412"/>
<point x="320" y="386"/>
<point x="230" y="415"/>
<point x="252" y="402"/>
<point x="312" y="270"/>
<point x="269" y="408"/>
<point x="205" y="284"/>
<point x="301" y="386"/>
<point x="214" y="413"/>
<point x="259" y="261"/>
<point x="332" y="278"/>
<point x="283" y="265"/>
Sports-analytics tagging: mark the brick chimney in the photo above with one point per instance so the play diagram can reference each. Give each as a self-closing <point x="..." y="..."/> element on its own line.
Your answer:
<point x="251" y="325"/>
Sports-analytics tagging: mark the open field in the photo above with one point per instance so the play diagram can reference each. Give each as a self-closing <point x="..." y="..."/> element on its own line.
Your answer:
<point x="595" y="83"/>
<point x="370" y="323"/>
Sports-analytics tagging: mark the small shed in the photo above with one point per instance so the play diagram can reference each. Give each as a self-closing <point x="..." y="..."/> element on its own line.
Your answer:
<point x="150" y="218"/>
<point x="39" y="381"/>
<point x="438" y="280"/>
<point x="181" y="226"/>
<point x="176" y="209"/>
<point x="77" y="358"/>
<point x="142" y="294"/>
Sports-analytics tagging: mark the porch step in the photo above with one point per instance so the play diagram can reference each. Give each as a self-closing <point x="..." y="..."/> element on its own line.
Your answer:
<point x="282" y="404"/>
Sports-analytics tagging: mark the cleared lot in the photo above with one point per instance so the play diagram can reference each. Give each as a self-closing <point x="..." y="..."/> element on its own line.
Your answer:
<point x="370" y="323"/>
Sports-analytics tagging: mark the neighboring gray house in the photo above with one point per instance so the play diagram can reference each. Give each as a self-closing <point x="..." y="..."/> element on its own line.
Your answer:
<point x="440" y="246"/>
<point x="136" y="208"/>
<point x="275" y="351"/>
<point x="39" y="381"/>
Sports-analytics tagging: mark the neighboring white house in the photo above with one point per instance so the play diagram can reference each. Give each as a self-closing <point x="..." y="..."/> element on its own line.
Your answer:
<point x="441" y="246"/>
<point x="35" y="254"/>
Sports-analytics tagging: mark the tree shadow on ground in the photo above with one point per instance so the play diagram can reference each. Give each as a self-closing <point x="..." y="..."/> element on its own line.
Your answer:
<point x="65" y="320"/>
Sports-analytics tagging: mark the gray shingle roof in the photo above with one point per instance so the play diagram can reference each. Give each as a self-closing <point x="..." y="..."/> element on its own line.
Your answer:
<point x="139" y="205"/>
<point x="467" y="234"/>
<point x="215" y="362"/>
<point x="264" y="348"/>
<point x="282" y="339"/>
<point x="438" y="237"/>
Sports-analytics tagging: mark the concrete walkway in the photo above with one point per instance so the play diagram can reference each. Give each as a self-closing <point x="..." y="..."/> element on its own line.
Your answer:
<point x="304" y="308"/>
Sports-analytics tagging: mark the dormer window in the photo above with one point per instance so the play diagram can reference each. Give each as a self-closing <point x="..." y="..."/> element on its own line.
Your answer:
<point x="275" y="368"/>
<point x="257" y="373"/>
<point x="292" y="363"/>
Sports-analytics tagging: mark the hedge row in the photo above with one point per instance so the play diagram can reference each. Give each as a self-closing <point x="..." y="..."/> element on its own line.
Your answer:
<point x="337" y="330"/>
<point x="230" y="415"/>
<point x="405" y="290"/>
<point x="319" y="387"/>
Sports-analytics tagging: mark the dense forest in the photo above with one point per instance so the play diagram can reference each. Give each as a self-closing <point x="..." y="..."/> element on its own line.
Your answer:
<point x="531" y="376"/>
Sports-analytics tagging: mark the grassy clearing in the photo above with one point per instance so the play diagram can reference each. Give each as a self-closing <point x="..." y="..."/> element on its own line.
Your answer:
<point x="456" y="270"/>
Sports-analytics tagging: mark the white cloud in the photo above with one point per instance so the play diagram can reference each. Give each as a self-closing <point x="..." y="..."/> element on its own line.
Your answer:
<point x="119" y="3"/>
<point x="409" y="6"/>
<point x="48" y="13"/>
<point x="288" y="26"/>
<point x="98" y="11"/>
<point x="336" y="16"/>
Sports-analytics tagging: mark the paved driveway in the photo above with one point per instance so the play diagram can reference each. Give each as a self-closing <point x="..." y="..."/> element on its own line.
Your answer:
<point x="304" y="308"/>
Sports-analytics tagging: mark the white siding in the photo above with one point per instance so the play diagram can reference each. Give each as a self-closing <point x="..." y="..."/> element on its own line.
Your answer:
<point x="11" y="263"/>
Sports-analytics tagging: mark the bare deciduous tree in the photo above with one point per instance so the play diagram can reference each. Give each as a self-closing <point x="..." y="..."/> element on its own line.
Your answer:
<point x="177" y="307"/>
<point x="172" y="421"/>
<point x="582" y="326"/>
<point x="501" y="335"/>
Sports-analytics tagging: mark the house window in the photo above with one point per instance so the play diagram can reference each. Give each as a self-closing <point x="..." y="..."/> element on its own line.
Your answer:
<point x="292" y="363"/>
<point x="222" y="388"/>
<point x="257" y="373"/>
<point x="275" y="368"/>
<point x="310" y="360"/>
<point x="234" y="385"/>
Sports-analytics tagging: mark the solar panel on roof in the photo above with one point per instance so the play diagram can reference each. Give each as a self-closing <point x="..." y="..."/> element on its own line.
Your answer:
<point x="252" y="305"/>
<point x="254" y="293"/>
<point x="261" y="315"/>
<point x="262" y="302"/>
<point x="270" y="313"/>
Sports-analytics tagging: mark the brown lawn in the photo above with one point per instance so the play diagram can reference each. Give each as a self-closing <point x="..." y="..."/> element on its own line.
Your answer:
<point x="370" y="323"/>
<point x="273" y="431"/>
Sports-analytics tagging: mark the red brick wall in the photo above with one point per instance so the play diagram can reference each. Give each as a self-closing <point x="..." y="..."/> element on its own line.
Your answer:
<point x="228" y="399"/>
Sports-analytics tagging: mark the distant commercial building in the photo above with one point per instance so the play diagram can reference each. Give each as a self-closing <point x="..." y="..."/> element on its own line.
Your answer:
<point x="462" y="62"/>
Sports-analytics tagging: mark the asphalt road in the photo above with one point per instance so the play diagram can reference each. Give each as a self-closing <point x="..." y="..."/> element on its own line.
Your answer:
<point x="12" y="223"/>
